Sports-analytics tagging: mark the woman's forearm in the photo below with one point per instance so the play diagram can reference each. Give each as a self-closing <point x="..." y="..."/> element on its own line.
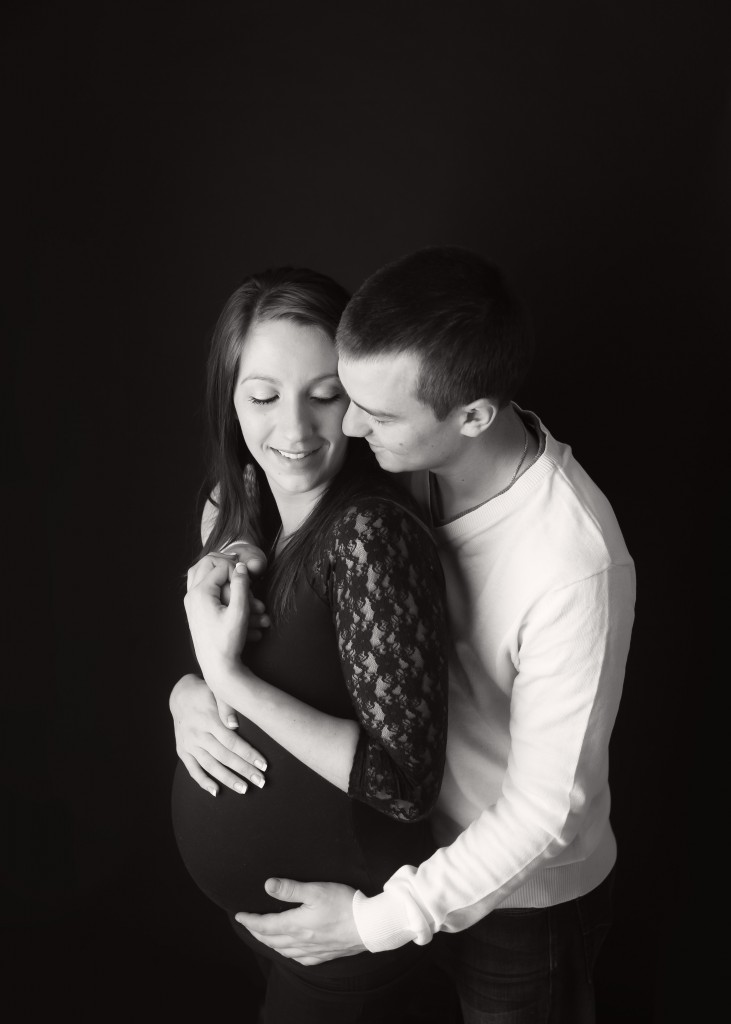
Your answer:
<point x="324" y="743"/>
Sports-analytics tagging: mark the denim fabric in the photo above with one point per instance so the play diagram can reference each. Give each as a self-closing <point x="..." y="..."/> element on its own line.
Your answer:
<point x="530" y="966"/>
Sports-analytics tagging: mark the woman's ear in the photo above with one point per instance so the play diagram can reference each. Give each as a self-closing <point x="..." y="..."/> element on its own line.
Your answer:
<point x="478" y="416"/>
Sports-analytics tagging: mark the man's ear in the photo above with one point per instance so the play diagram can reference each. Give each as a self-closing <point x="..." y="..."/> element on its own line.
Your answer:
<point x="477" y="416"/>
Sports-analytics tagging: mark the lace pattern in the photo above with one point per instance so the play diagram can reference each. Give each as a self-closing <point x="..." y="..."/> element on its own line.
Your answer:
<point x="383" y="582"/>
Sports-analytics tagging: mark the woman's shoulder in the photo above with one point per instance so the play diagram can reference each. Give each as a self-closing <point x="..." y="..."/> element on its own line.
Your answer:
<point x="387" y="511"/>
<point x="376" y="532"/>
<point x="378" y="545"/>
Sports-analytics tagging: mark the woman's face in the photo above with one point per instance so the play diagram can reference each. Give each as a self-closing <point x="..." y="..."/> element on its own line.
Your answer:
<point x="290" y="406"/>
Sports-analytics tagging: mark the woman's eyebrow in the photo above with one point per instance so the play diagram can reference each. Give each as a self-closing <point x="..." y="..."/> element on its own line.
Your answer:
<point x="274" y="380"/>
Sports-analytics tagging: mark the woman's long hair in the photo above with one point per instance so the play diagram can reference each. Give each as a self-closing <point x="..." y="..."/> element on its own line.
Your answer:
<point x="237" y="487"/>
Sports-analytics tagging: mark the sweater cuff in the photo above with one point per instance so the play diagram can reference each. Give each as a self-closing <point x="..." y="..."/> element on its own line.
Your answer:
<point x="383" y="922"/>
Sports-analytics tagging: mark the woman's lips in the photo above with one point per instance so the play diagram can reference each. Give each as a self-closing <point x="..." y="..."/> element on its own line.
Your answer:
<point x="293" y="456"/>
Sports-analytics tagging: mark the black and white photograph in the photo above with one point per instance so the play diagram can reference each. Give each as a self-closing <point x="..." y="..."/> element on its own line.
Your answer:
<point x="358" y="432"/>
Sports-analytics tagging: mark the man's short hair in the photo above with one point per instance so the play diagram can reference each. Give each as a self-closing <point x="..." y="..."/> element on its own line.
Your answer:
<point x="455" y="312"/>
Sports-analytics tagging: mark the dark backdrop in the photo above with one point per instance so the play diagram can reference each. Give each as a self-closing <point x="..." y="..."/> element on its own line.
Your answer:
<point x="156" y="155"/>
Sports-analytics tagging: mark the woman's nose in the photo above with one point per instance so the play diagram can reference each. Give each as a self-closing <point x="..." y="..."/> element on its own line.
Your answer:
<point x="297" y="422"/>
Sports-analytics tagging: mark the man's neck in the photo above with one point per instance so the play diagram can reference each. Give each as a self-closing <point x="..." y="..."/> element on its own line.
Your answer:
<point x="487" y="466"/>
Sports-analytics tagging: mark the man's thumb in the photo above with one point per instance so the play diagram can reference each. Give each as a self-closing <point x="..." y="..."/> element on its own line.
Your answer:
<point x="283" y="889"/>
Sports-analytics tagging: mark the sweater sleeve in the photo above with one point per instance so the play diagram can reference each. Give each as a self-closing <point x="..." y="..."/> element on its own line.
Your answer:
<point x="386" y="592"/>
<point x="564" y="702"/>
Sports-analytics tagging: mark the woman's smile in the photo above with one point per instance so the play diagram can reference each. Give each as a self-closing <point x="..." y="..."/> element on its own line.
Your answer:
<point x="294" y="456"/>
<point x="290" y="406"/>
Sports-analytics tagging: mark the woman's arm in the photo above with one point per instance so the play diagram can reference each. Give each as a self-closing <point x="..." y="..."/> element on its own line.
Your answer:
<point x="323" y="742"/>
<point x="211" y="751"/>
<point x="386" y="591"/>
<point x="389" y="605"/>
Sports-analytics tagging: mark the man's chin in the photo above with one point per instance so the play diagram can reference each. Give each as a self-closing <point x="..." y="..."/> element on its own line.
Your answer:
<point x="384" y="460"/>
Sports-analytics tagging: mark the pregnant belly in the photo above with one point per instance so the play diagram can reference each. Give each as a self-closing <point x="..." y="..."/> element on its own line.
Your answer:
<point x="296" y="826"/>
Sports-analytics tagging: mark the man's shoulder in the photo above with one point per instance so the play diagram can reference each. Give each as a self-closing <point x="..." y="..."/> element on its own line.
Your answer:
<point x="554" y="526"/>
<point x="580" y="511"/>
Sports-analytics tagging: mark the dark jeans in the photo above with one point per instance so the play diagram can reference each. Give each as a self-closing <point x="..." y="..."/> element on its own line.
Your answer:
<point x="527" y="966"/>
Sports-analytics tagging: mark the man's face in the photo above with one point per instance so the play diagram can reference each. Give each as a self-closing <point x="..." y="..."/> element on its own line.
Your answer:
<point x="403" y="432"/>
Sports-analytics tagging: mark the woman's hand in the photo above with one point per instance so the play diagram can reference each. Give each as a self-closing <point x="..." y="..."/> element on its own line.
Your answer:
<point x="252" y="556"/>
<point x="218" y="630"/>
<point x="207" y="748"/>
<point x="255" y="561"/>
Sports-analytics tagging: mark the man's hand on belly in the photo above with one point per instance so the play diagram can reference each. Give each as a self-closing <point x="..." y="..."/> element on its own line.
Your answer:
<point x="322" y="928"/>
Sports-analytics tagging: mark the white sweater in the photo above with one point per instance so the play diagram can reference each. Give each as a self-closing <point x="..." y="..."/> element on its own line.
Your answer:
<point x="541" y="592"/>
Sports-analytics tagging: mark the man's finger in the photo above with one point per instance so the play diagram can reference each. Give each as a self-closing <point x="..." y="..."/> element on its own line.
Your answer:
<point x="287" y="890"/>
<point x="264" y="924"/>
<point x="283" y="944"/>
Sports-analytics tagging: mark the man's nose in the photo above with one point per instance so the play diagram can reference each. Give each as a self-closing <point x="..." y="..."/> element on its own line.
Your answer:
<point x="355" y="423"/>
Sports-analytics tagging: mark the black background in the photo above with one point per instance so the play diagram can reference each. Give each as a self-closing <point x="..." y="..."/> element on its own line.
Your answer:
<point x="154" y="156"/>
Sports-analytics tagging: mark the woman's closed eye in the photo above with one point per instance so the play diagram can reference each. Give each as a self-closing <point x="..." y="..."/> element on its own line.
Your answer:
<point x="322" y="399"/>
<point x="326" y="399"/>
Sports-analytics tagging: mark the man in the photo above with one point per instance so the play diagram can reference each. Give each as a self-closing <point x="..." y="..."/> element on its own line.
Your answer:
<point x="432" y="349"/>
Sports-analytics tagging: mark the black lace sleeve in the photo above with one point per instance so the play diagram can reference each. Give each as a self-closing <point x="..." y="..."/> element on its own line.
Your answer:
<point x="386" y="591"/>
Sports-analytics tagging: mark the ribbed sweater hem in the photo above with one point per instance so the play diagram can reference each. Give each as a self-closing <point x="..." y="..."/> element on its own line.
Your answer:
<point x="562" y="882"/>
<point x="392" y="919"/>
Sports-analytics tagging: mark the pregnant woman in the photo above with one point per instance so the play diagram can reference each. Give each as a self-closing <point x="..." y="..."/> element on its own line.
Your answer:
<point x="344" y="696"/>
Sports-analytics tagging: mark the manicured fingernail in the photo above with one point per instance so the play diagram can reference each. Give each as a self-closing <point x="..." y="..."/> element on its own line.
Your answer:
<point x="261" y="764"/>
<point x="240" y="787"/>
<point x="232" y="721"/>
<point x="212" y="790"/>
<point x="258" y="780"/>
<point x="241" y="568"/>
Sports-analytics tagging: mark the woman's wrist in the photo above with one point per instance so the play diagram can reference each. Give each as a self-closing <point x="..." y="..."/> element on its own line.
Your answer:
<point x="229" y="680"/>
<point x="183" y="686"/>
